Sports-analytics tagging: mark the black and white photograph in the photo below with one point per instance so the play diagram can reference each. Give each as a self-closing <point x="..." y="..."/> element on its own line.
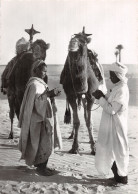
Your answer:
<point x="69" y="96"/>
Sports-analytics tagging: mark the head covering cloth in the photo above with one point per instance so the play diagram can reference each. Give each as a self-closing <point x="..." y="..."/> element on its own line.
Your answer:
<point x="120" y="70"/>
<point x="22" y="45"/>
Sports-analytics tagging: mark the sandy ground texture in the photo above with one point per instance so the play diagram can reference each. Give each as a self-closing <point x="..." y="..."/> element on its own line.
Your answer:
<point x="76" y="173"/>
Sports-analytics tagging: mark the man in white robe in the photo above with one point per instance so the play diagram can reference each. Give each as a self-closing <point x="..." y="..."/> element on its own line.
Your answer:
<point x="36" y="120"/>
<point x="112" y="151"/>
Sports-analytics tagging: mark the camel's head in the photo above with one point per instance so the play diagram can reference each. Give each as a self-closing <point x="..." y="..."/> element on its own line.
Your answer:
<point x="79" y="40"/>
<point x="74" y="44"/>
<point x="39" y="48"/>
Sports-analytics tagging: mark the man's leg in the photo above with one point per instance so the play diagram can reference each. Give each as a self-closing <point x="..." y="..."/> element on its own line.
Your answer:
<point x="119" y="179"/>
<point x="42" y="165"/>
<point x="43" y="170"/>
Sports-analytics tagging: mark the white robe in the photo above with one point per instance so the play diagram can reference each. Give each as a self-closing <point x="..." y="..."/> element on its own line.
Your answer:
<point x="112" y="144"/>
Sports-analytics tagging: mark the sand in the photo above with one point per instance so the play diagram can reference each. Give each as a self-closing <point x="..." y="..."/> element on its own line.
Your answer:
<point x="76" y="173"/>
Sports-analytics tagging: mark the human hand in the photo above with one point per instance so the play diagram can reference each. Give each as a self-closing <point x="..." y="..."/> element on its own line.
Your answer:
<point x="4" y="90"/>
<point x="98" y="94"/>
<point x="54" y="92"/>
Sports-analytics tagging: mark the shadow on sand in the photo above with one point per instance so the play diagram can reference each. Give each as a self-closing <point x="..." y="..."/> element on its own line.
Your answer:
<point x="25" y="174"/>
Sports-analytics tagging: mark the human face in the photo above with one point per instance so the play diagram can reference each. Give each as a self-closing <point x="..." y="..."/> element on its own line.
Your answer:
<point x="41" y="72"/>
<point x="114" y="79"/>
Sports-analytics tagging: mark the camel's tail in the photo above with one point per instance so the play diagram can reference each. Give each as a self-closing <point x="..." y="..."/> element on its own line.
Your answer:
<point x="67" y="116"/>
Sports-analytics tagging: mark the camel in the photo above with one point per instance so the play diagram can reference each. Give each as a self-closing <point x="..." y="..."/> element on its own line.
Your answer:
<point x="19" y="76"/>
<point x="79" y="81"/>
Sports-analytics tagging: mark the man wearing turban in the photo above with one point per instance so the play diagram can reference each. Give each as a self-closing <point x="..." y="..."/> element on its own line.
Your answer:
<point x="112" y="151"/>
<point x="22" y="45"/>
<point x="39" y="132"/>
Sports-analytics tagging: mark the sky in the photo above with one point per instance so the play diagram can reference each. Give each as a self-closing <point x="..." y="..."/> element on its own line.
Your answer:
<point x="111" y="22"/>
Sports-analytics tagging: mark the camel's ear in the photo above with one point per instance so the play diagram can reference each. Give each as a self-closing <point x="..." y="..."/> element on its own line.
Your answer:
<point x="47" y="46"/>
<point x="88" y="40"/>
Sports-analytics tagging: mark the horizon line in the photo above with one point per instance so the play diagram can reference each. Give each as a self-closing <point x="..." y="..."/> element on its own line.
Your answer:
<point x="100" y="63"/>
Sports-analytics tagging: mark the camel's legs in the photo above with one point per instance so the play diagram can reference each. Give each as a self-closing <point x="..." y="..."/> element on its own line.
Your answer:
<point x="19" y="98"/>
<point x="11" y="132"/>
<point x="87" y="115"/>
<point x="72" y="134"/>
<point x="11" y="101"/>
<point x="76" y="124"/>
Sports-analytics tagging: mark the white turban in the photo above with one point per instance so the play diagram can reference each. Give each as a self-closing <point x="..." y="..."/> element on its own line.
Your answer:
<point x="22" y="45"/>
<point x="120" y="70"/>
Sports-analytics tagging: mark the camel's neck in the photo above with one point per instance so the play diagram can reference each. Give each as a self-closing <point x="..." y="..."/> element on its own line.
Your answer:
<point x="77" y="62"/>
<point x="82" y="52"/>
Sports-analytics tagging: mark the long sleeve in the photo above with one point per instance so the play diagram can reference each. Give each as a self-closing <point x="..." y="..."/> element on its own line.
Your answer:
<point x="43" y="106"/>
<point x="110" y="108"/>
